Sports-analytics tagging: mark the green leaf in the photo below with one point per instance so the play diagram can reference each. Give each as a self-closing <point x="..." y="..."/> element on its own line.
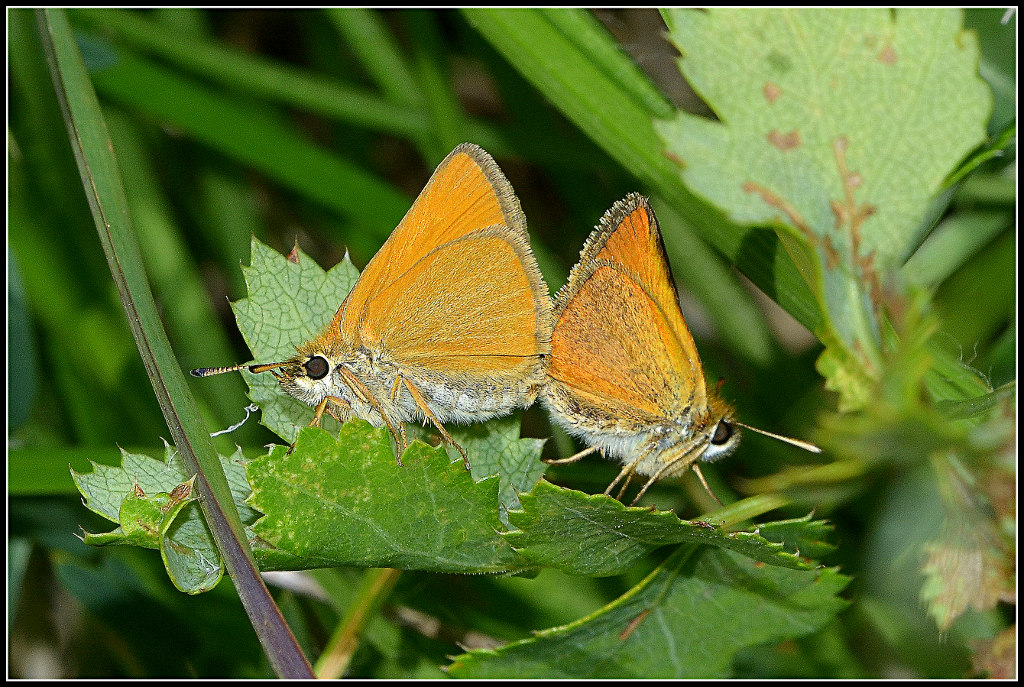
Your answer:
<point x="687" y="619"/>
<point x="346" y="501"/>
<point x="841" y="126"/>
<point x="145" y="518"/>
<point x="291" y="299"/>
<point x="997" y="146"/>
<point x="903" y="90"/>
<point x="495" y="448"/>
<point x="188" y="552"/>
<point x="154" y="505"/>
<point x="597" y="535"/>
<point x="954" y="241"/>
<point x="976" y="405"/>
<point x="106" y="486"/>
<point x="805" y="536"/>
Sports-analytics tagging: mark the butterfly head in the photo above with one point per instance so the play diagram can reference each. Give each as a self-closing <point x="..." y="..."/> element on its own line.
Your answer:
<point x="720" y="429"/>
<point x="306" y="376"/>
<point x="723" y="430"/>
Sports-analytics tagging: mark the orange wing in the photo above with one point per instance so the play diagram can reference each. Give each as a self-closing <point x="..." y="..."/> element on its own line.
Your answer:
<point x="473" y="306"/>
<point x="618" y="326"/>
<point x="607" y="343"/>
<point x="467" y="192"/>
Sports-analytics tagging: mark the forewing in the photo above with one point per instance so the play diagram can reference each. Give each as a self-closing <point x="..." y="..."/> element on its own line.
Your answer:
<point x="466" y="193"/>
<point x="613" y="340"/>
<point x="475" y="305"/>
<point x="629" y="236"/>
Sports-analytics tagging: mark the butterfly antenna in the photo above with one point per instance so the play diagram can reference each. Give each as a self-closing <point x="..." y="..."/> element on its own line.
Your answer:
<point x="255" y="369"/>
<point x="805" y="445"/>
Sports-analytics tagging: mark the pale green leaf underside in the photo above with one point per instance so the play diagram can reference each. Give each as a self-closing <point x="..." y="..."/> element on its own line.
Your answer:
<point x="288" y="304"/>
<point x="106" y="487"/>
<point x="840" y="125"/>
<point x="901" y="87"/>
<point x="126" y="494"/>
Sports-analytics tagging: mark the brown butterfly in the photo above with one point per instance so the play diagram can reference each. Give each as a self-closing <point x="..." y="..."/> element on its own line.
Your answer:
<point x="449" y="322"/>
<point x="624" y="373"/>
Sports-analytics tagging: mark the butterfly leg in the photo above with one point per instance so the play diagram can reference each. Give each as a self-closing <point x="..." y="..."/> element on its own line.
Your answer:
<point x="421" y="403"/>
<point x="672" y="466"/>
<point x="341" y="413"/>
<point x="338" y="408"/>
<point x="625" y="485"/>
<point x="643" y="489"/>
<point x="700" y="476"/>
<point x="627" y="473"/>
<point x="571" y="459"/>
<point x="401" y="441"/>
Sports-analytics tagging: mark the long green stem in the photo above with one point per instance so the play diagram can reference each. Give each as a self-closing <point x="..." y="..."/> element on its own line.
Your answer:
<point x="377" y="584"/>
<point x="102" y="181"/>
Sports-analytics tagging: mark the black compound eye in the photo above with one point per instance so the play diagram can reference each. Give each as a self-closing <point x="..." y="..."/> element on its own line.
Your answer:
<point x="317" y="367"/>
<point x="723" y="432"/>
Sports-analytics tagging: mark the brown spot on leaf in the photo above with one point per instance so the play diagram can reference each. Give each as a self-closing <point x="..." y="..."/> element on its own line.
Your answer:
<point x="678" y="161"/>
<point x="839" y="210"/>
<point x="771" y="92"/>
<point x="887" y="55"/>
<point x="633" y="624"/>
<point x="791" y="212"/>
<point x="870" y="276"/>
<point x="178" y="547"/>
<point x="784" y="142"/>
<point x="788" y="647"/>
<point x="831" y="254"/>
<point x="182" y="491"/>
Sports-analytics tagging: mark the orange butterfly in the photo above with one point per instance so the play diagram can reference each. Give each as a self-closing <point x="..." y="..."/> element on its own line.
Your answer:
<point x="450" y="321"/>
<point x="624" y="374"/>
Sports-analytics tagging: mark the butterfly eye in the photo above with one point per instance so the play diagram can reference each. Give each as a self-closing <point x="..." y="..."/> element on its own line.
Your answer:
<point x="317" y="367"/>
<point x="723" y="432"/>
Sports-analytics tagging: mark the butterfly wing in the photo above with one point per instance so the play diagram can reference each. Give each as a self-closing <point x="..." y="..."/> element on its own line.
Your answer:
<point x="597" y="353"/>
<point x="619" y="332"/>
<point x="474" y="307"/>
<point x="467" y="192"/>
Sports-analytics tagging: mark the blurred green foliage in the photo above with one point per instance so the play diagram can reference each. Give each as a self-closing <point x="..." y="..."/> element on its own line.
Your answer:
<point x="318" y="127"/>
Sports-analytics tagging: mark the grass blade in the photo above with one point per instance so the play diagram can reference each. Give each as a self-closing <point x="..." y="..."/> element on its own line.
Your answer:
<point x="101" y="178"/>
